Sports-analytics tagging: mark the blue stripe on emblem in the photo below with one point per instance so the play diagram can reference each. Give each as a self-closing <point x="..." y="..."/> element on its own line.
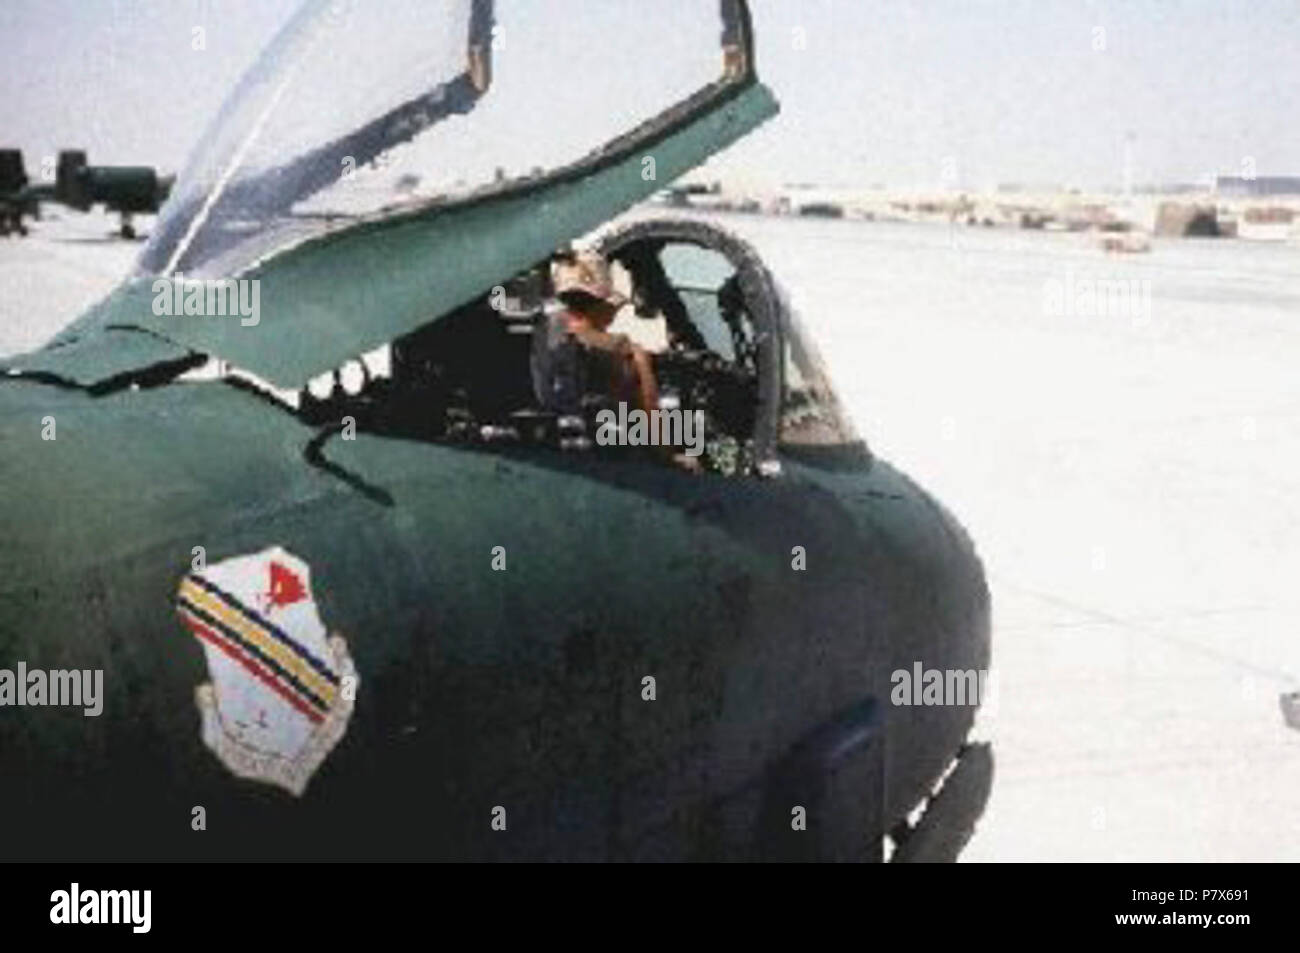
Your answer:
<point x="325" y="671"/>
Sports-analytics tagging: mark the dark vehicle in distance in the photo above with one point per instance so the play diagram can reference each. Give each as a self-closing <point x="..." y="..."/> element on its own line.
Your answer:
<point x="126" y="190"/>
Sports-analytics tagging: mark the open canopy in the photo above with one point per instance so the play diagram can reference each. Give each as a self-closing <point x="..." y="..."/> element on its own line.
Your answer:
<point x="360" y="109"/>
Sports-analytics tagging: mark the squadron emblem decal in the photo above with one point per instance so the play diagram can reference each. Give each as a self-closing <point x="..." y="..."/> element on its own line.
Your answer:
<point x="281" y="692"/>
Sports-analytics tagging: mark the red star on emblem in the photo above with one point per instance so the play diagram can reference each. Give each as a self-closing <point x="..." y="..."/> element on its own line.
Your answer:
<point x="286" y="587"/>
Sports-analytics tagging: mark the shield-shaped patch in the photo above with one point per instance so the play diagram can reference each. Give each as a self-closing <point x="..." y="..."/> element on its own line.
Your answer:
<point x="282" y="690"/>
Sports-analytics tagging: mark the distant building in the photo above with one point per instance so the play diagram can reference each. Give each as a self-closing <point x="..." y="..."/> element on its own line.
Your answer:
<point x="1267" y="224"/>
<point x="1233" y="185"/>
<point x="1174" y="188"/>
<point x="1186" y="219"/>
<point x="822" y="209"/>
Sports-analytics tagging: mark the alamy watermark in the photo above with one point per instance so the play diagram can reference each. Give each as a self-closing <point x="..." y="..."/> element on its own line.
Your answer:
<point x="1084" y="296"/>
<point x="129" y="907"/>
<point x="209" y="297"/>
<point x="56" y="688"/>
<point x="933" y="686"/>
<point x="655" y="428"/>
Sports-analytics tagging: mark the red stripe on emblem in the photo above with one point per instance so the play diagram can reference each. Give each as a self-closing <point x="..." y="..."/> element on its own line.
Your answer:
<point x="216" y="639"/>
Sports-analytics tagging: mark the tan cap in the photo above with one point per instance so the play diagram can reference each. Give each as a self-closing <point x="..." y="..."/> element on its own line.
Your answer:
<point x="587" y="272"/>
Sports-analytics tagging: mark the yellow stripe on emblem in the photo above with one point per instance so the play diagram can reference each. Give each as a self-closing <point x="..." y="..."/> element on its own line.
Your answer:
<point x="258" y="636"/>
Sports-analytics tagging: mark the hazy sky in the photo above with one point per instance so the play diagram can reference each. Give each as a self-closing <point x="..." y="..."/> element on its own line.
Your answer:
<point x="873" y="91"/>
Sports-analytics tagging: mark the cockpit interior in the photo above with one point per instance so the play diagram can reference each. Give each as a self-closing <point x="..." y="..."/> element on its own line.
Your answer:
<point x="466" y="378"/>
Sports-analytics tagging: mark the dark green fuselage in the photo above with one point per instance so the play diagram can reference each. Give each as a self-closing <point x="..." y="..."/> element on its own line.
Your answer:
<point x="479" y="688"/>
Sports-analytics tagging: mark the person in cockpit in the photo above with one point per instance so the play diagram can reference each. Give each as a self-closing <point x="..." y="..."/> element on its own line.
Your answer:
<point x="575" y="356"/>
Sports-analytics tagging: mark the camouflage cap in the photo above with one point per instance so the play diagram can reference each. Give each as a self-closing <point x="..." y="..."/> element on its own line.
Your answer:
<point x="586" y="272"/>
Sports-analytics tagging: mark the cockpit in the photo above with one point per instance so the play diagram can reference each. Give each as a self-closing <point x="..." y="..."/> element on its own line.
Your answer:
<point x="725" y="344"/>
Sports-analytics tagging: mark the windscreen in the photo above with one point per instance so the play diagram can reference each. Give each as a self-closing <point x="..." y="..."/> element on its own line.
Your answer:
<point x="811" y="414"/>
<point x="361" y="109"/>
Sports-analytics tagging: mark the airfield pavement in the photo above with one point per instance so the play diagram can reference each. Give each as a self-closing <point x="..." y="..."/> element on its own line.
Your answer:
<point x="1132" y="483"/>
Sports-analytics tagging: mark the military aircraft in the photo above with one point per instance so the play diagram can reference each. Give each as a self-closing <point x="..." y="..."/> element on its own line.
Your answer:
<point x="15" y="198"/>
<point x="126" y="190"/>
<point x="412" y="614"/>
